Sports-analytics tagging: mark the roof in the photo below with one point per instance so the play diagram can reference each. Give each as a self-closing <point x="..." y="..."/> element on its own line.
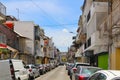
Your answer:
<point x="111" y="72"/>
<point x="81" y="63"/>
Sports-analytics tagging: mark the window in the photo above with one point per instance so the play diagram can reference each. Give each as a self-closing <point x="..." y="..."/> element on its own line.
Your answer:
<point x="101" y="77"/>
<point x="94" y="77"/>
<point x="88" y="16"/>
<point x="89" y="71"/>
<point x="98" y="76"/>
<point x="89" y="42"/>
<point x="2" y="38"/>
<point x="78" y="70"/>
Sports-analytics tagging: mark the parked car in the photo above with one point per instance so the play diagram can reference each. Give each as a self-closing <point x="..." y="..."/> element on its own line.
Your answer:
<point x="61" y="63"/>
<point x="52" y="65"/>
<point x="74" y="68"/>
<point x="41" y="68"/>
<point x="106" y="75"/>
<point x="45" y="66"/>
<point x="84" y="72"/>
<point x="13" y="69"/>
<point x="48" y="67"/>
<point x="32" y="70"/>
<point x="69" y="67"/>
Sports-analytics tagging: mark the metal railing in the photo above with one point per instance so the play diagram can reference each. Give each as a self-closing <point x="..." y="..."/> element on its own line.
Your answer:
<point x="2" y="9"/>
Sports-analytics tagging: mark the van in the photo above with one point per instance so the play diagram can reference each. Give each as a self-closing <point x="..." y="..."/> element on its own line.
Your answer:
<point x="12" y="69"/>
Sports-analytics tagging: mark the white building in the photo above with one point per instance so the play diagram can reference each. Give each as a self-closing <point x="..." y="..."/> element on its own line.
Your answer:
<point x="26" y="29"/>
<point x="94" y="47"/>
<point x="94" y="12"/>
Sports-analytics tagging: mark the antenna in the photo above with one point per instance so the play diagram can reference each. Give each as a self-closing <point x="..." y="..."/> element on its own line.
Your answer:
<point x="18" y="12"/>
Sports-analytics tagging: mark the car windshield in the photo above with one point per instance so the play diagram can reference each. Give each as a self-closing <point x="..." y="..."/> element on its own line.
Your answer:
<point x="27" y="67"/>
<point x="89" y="71"/>
<point x="71" y="65"/>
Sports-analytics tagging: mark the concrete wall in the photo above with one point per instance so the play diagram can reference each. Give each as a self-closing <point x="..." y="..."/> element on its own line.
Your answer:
<point x="26" y="29"/>
<point x="98" y="10"/>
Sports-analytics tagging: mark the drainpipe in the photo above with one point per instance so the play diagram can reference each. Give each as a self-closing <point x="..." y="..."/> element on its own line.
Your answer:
<point x="109" y="33"/>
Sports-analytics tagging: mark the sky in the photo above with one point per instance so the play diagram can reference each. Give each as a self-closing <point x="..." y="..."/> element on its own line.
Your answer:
<point x="57" y="17"/>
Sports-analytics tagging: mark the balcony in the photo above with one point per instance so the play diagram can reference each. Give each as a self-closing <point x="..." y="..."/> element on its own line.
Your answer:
<point x="79" y="52"/>
<point x="95" y="43"/>
<point x="97" y="8"/>
<point x="81" y="38"/>
<point x="2" y="11"/>
<point x="37" y="37"/>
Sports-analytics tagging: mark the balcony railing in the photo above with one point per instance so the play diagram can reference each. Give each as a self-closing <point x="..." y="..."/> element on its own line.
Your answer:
<point x="2" y="9"/>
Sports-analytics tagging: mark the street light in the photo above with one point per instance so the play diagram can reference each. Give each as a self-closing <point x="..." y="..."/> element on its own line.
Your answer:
<point x="72" y="32"/>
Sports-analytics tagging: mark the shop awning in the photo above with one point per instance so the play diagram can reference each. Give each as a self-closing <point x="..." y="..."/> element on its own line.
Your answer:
<point x="12" y="49"/>
<point x="3" y="45"/>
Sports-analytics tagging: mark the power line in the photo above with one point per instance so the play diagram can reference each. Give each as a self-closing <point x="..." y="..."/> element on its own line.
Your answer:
<point x="51" y="17"/>
<point x="44" y="11"/>
<point x="61" y="24"/>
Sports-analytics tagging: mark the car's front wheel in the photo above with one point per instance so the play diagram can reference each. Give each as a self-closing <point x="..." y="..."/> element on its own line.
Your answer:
<point x="19" y="79"/>
<point x="31" y="77"/>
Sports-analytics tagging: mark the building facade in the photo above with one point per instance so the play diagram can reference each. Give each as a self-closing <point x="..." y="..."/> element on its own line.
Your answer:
<point x="39" y="43"/>
<point x="27" y="30"/>
<point x="110" y="30"/>
<point x="93" y="48"/>
<point x="98" y="33"/>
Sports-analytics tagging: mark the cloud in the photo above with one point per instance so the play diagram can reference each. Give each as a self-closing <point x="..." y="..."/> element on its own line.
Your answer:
<point x="60" y="38"/>
<point x="65" y="30"/>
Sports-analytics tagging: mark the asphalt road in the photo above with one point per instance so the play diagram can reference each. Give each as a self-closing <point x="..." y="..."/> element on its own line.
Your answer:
<point x="58" y="73"/>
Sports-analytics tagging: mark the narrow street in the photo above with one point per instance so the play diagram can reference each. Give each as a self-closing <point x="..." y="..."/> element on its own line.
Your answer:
<point x="58" y="73"/>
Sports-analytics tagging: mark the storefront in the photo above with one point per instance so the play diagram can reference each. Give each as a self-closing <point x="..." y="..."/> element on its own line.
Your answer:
<point x="102" y="60"/>
<point x="7" y="52"/>
<point x="4" y="52"/>
<point x="115" y="59"/>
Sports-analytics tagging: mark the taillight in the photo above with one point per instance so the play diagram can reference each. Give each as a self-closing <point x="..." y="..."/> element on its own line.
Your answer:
<point x="81" y="78"/>
<point x="30" y="70"/>
<point x="12" y="71"/>
<point x="74" y="69"/>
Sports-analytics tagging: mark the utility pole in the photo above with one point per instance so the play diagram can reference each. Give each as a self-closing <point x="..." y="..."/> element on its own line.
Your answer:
<point x="110" y="31"/>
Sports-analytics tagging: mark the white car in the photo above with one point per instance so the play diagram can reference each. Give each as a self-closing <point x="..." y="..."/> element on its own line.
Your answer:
<point x="33" y="71"/>
<point x="106" y="75"/>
